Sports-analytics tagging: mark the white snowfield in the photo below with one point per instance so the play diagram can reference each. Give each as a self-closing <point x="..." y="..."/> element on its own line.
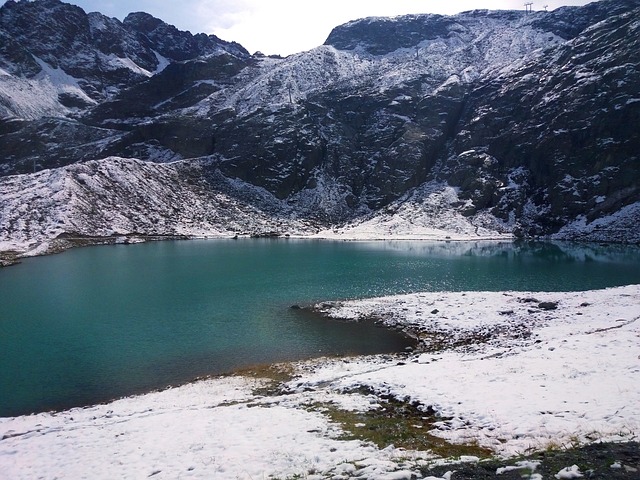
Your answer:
<point x="513" y="371"/>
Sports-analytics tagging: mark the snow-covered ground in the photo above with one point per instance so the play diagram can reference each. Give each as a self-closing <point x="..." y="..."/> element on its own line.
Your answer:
<point x="512" y="371"/>
<point x="426" y="213"/>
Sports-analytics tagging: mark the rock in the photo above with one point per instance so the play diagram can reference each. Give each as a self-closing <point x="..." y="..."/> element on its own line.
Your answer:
<point x="529" y="300"/>
<point x="548" y="305"/>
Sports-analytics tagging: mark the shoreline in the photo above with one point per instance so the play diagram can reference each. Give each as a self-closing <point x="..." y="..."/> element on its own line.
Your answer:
<point x="12" y="253"/>
<point x="518" y="375"/>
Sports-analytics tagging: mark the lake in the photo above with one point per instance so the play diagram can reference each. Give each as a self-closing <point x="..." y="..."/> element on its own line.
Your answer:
<point x="93" y="324"/>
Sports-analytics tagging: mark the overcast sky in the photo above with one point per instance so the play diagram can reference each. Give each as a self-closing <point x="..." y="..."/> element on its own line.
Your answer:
<point x="287" y="26"/>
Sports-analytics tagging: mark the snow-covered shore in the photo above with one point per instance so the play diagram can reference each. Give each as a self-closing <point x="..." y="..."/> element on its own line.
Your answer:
<point x="512" y="371"/>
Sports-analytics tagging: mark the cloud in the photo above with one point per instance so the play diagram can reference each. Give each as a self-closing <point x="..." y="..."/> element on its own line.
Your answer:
<point x="222" y="14"/>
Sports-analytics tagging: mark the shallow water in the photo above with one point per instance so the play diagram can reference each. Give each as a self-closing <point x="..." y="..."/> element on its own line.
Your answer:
<point x="96" y="323"/>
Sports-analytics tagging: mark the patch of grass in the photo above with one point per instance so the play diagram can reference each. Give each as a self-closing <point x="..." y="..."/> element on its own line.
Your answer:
<point x="401" y="424"/>
<point x="275" y="374"/>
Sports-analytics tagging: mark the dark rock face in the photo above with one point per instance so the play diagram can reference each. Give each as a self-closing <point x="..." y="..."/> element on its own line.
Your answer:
<point x="14" y="58"/>
<point x="175" y="44"/>
<point x="535" y="133"/>
<point x="384" y="35"/>
<point x="567" y="121"/>
<point x="51" y="143"/>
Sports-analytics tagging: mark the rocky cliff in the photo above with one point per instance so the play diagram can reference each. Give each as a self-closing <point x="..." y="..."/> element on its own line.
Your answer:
<point x="486" y="121"/>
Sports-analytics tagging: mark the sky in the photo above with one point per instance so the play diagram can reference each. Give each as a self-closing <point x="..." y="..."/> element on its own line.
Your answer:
<point x="287" y="26"/>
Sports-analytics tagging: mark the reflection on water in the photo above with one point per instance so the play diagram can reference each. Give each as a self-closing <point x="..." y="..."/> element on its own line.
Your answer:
<point x="95" y="323"/>
<point x="545" y="251"/>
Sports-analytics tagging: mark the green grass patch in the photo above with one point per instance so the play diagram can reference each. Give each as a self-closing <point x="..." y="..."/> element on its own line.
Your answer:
<point x="275" y="374"/>
<point x="401" y="424"/>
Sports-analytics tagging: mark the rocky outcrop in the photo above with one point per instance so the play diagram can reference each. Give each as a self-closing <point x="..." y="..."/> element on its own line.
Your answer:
<point x="176" y="44"/>
<point x="379" y="36"/>
<point x="561" y="128"/>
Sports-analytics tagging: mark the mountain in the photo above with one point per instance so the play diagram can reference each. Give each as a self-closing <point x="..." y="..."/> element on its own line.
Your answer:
<point x="483" y="123"/>
<point x="85" y="58"/>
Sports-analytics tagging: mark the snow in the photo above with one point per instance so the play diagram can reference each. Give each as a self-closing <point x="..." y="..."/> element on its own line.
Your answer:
<point x="536" y="378"/>
<point x="523" y="465"/>
<point x="425" y="213"/>
<point x="569" y="472"/>
<point x="163" y="62"/>
<point x="38" y="97"/>
<point x="531" y="384"/>
<point x="116" y="63"/>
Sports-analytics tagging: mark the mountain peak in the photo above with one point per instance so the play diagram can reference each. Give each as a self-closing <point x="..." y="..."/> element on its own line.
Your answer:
<point x="94" y="55"/>
<point x="176" y="44"/>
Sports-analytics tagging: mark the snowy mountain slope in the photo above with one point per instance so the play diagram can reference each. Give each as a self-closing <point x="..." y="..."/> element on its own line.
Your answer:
<point x="565" y="123"/>
<point x="118" y="197"/>
<point x="474" y="44"/>
<point x="93" y="55"/>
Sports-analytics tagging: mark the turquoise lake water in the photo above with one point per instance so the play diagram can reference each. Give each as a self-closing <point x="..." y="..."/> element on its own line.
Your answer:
<point x="97" y="323"/>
